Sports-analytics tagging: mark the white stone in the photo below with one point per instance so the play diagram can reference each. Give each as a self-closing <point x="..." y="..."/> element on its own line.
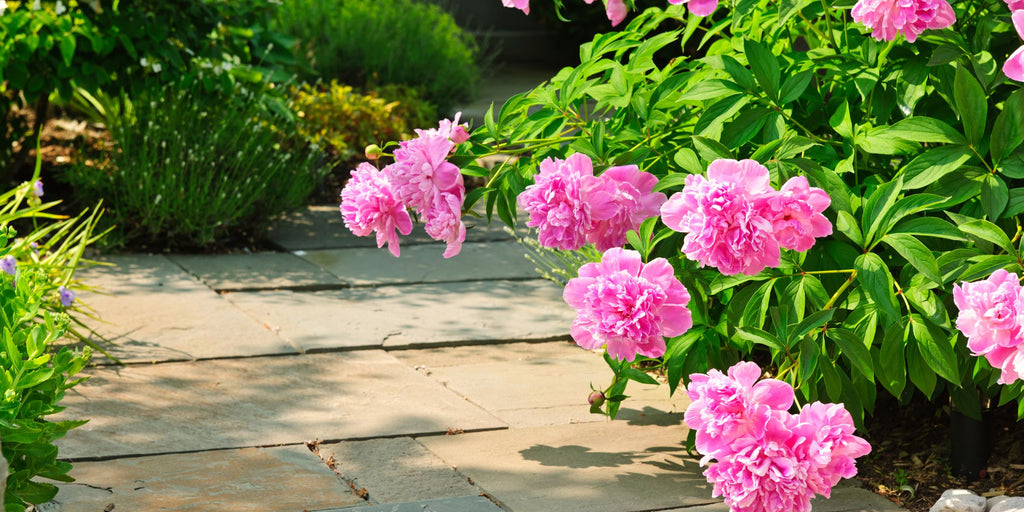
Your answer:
<point x="1006" y="504"/>
<point x="959" y="500"/>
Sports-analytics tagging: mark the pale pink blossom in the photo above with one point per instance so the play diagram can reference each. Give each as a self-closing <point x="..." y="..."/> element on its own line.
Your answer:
<point x="631" y="192"/>
<point x="795" y="214"/>
<point x="823" y="437"/>
<point x="725" y="228"/>
<point x="421" y="170"/>
<point x="726" y="407"/>
<point x="1014" y="65"/>
<point x="560" y="205"/>
<point x="522" y="5"/>
<point x="368" y="205"/>
<point x="444" y="221"/>
<point x="887" y="18"/>
<point x="991" y="314"/>
<point x="700" y="8"/>
<point x="627" y="306"/>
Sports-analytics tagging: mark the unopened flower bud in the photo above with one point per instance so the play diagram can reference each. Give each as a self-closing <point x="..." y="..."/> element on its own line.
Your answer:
<point x="373" y="152"/>
<point x="459" y="134"/>
<point x="596" y="399"/>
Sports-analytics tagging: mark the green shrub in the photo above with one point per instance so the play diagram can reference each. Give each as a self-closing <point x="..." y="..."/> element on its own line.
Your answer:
<point x="192" y="167"/>
<point x="364" y="42"/>
<point x="346" y="121"/>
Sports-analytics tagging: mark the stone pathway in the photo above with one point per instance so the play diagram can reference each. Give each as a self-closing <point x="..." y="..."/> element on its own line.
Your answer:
<point x="332" y="377"/>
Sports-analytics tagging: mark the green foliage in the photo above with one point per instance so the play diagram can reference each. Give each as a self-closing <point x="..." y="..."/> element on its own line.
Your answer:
<point x="366" y="42"/>
<point x="192" y="167"/>
<point x="918" y="145"/>
<point x="346" y="121"/>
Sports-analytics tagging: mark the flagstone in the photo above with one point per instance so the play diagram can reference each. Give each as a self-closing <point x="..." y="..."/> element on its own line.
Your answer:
<point x="396" y="470"/>
<point x="282" y="479"/>
<point x="264" y="270"/>
<point x="321" y="227"/>
<point x="414" y="315"/>
<point x="586" y="467"/>
<point x="425" y="264"/>
<point x="232" y="403"/>
<point x="460" y="504"/>
<point x="534" y="384"/>
<point x="848" y="496"/>
<point x="152" y="310"/>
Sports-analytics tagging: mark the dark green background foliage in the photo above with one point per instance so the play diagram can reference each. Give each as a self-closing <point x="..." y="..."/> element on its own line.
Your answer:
<point x="918" y="145"/>
<point x="368" y="42"/>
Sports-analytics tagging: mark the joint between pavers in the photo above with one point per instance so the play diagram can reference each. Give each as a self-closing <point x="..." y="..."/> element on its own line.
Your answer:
<point x="475" y="343"/>
<point x="295" y="288"/>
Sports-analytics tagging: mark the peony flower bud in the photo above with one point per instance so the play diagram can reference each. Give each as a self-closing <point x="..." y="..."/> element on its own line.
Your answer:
<point x="373" y="152"/>
<point x="596" y="399"/>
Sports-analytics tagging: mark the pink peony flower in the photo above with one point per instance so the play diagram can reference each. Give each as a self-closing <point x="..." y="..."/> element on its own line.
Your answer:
<point x="368" y="204"/>
<point x="631" y="191"/>
<point x="886" y="18"/>
<point x="725" y="408"/>
<point x="795" y="214"/>
<point x="763" y="475"/>
<point x="1015" y="5"/>
<point x="627" y="306"/>
<point x="725" y="228"/>
<point x="444" y="221"/>
<point x="1014" y="65"/>
<point x="420" y="169"/>
<point x="698" y="7"/>
<point x="453" y="130"/>
<point x="823" y="436"/>
<point x="991" y="315"/>
<point x="522" y="5"/>
<point x="560" y="205"/>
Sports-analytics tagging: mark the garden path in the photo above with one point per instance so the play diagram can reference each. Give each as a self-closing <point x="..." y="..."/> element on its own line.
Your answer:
<point x="331" y="376"/>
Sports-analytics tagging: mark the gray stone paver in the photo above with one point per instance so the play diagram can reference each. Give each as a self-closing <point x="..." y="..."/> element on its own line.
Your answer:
<point x="460" y="504"/>
<point x="284" y="479"/>
<point x="845" y="498"/>
<point x="154" y="311"/>
<point x="264" y="270"/>
<point x="231" y="403"/>
<point x="425" y="264"/>
<point x="534" y="384"/>
<point x="414" y="315"/>
<point x="321" y="227"/>
<point x="607" y="466"/>
<point x="396" y="470"/>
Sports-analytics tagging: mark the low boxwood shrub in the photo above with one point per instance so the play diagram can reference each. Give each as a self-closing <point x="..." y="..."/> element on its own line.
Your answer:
<point x="190" y="168"/>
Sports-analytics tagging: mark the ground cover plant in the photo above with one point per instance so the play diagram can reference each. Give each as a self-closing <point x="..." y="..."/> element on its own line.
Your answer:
<point x="831" y="189"/>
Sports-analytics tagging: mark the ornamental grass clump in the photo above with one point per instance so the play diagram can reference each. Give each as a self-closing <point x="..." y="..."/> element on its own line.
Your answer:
<point x="191" y="168"/>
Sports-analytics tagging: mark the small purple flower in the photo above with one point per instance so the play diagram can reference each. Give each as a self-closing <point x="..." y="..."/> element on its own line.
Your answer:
<point x="8" y="264"/>
<point x="66" y="296"/>
<point x="37" y="188"/>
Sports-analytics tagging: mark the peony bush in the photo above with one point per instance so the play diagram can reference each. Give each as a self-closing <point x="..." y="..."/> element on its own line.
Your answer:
<point x="832" y="188"/>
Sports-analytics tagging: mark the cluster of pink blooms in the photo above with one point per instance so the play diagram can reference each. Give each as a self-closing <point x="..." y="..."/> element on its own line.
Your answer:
<point x="570" y="206"/>
<point x="627" y="306"/>
<point x="767" y="459"/>
<point x="616" y="10"/>
<point x="887" y="18"/>
<point x="422" y="179"/>
<point x="992" y="318"/>
<point x="736" y="222"/>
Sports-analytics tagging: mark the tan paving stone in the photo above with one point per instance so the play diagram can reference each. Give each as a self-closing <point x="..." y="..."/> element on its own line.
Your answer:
<point x="321" y="227"/>
<point x="425" y="314"/>
<point x="285" y="479"/>
<point x="263" y="401"/>
<point x="264" y="270"/>
<point x="425" y="264"/>
<point x="397" y="470"/>
<point x="846" y="497"/>
<point x="534" y="384"/>
<point x="590" y="467"/>
<point x="155" y="311"/>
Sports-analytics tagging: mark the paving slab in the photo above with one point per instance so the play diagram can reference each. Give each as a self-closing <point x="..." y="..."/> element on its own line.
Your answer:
<point x="233" y="403"/>
<point x="155" y="311"/>
<point x="460" y="504"/>
<point x="414" y="315"/>
<point x="321" y="227"/>
<point x="534" y="384"/>
<point x="397" y="470"/>
<point x="608" y="466"/>
<point x="263" y="270"/>
<point x="282" y="479"/>
<point x="424" y="264"/>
